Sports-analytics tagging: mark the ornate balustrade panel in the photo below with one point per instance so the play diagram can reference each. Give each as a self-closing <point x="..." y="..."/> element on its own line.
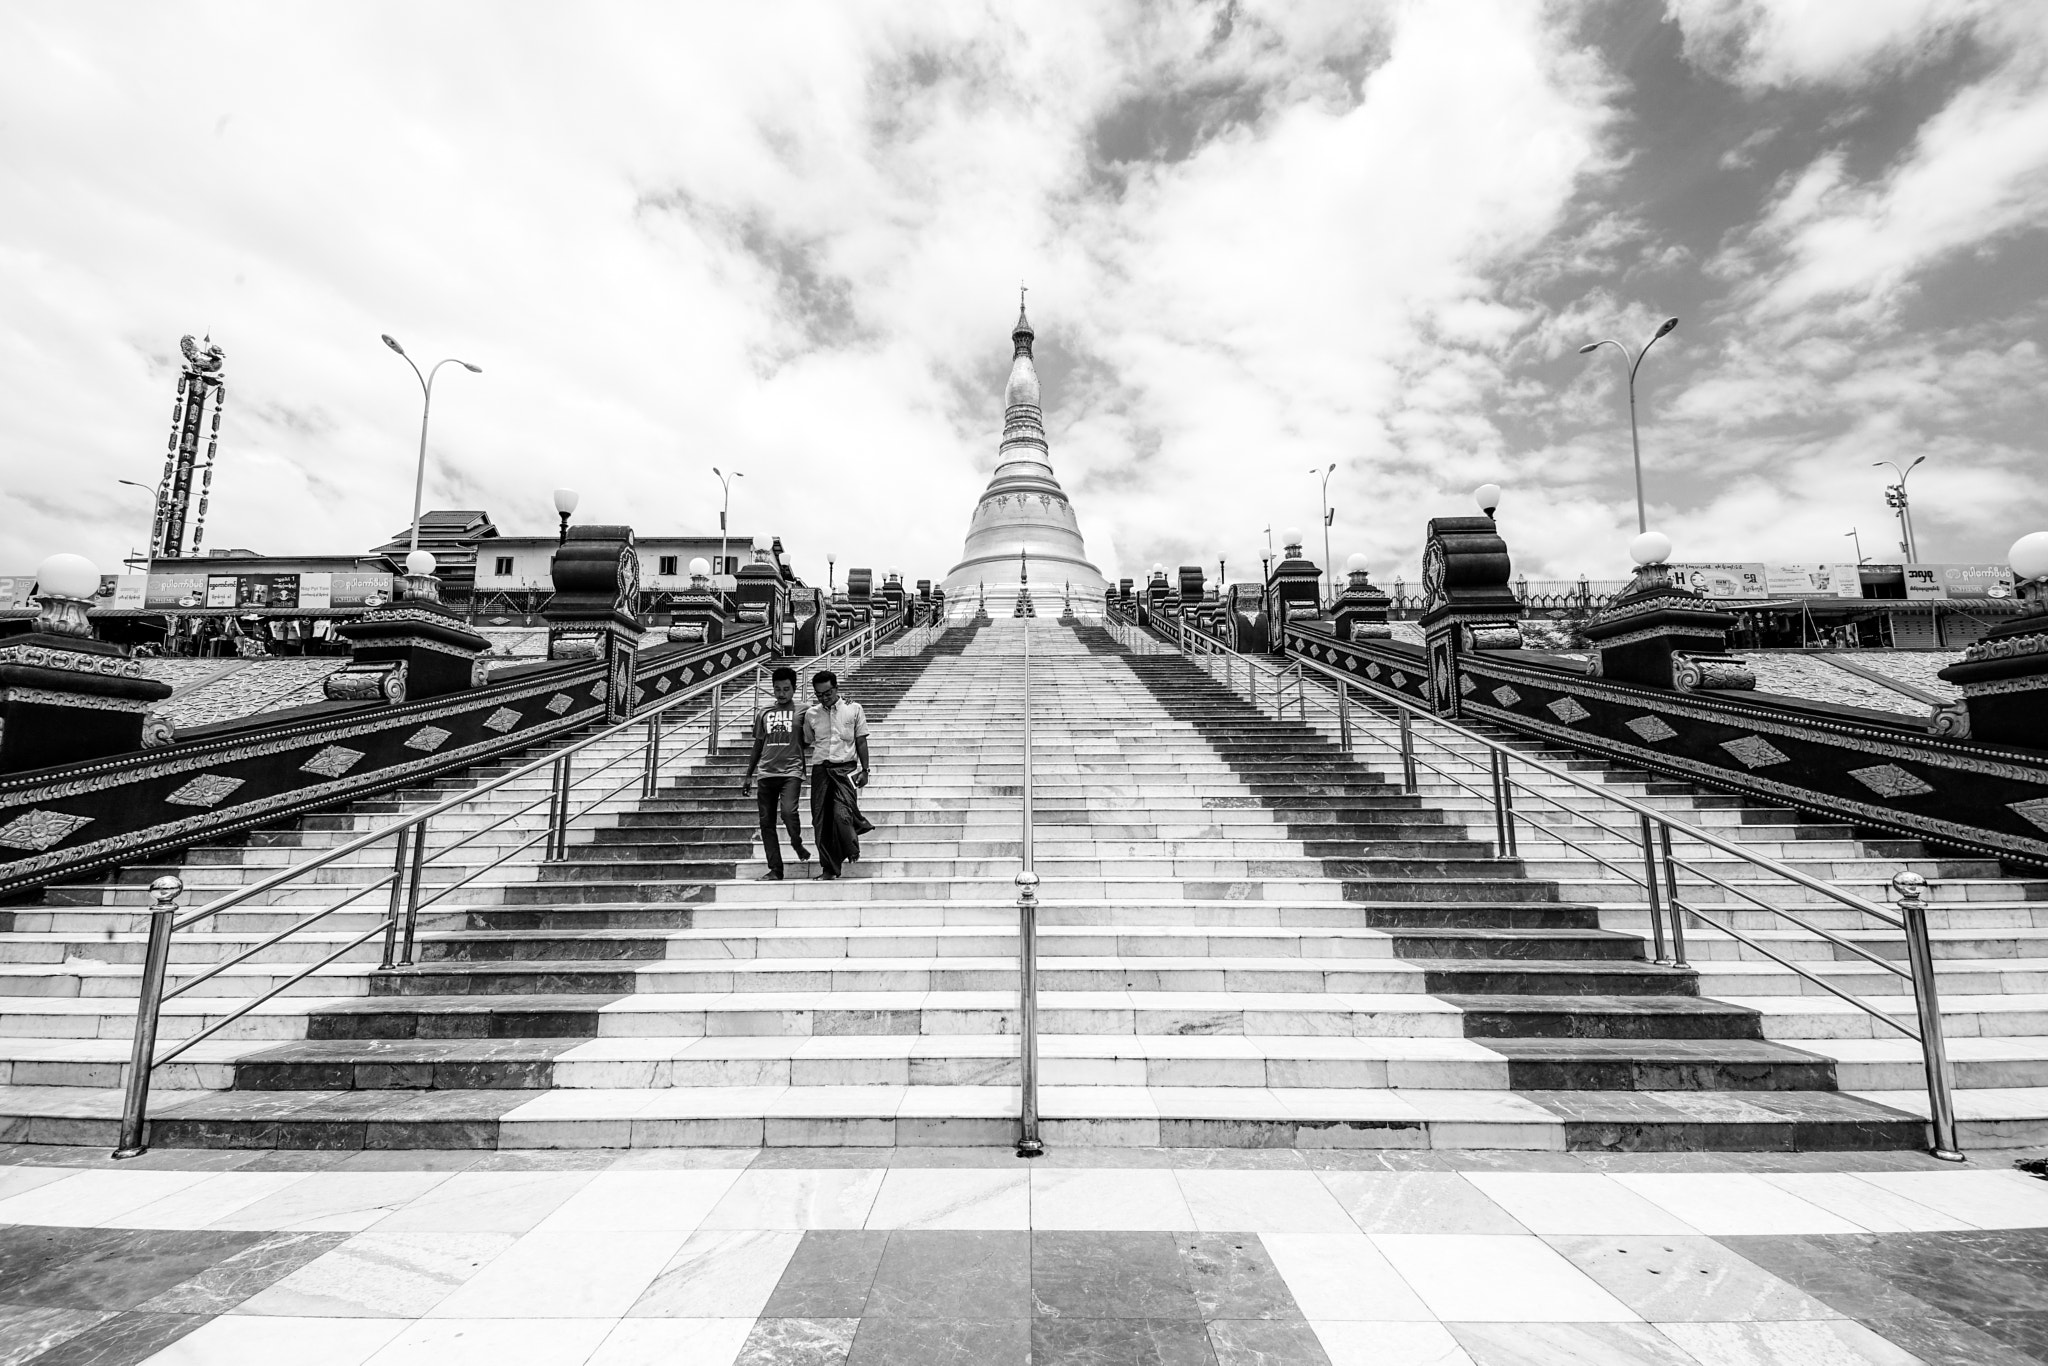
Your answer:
<point x="81" y="817"/>
<point x="1842" y="762"/>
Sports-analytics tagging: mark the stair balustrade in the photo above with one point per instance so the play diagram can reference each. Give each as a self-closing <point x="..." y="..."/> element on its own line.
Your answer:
<point x="644" y="758"/>
<point x="1331" y="691"/>
<point x="1028" y="1143"/>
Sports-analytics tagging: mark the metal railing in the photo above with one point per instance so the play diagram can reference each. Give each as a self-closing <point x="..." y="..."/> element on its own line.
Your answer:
<point x="409" y="835"/>
<point x="1298" y="683"/>
<point x="1028" y="1144"/>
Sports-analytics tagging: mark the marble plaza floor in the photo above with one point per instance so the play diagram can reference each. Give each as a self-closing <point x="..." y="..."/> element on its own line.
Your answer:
<point x="849" y="1257"/>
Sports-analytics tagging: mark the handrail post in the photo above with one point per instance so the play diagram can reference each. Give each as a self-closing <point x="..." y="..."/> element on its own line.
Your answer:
<point x="1941" y="1112"/>
<point x="558" y="810"/>
<point x="397" y="896"/>
<point x="1650" y="890"/>
<point x="651" y="781"/>
<point x="1344" y="715"/>
<point x="1409" y="784"/>
<point x="1500" y="825"/>
<point x="1507" y="804"/>
<point x="711" y="745"/>
<point x="149" y="1003"/>
<point x="412" y="892"/>
<point x="1671" y="895"/>
<point x="1028" y="1143"/>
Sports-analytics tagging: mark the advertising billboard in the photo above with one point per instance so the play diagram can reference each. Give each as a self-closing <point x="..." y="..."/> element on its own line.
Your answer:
<point x="17" y="590"/>
<point x="257" y="593"/>
<point x="1813" y="581"/>
<point x="1722" y="580"/>
<point x="1973" y="582"/>
<point x="174" y="592"/>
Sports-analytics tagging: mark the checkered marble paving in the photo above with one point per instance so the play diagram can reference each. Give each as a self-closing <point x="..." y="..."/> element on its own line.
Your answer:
<point x="839" y="1257"/>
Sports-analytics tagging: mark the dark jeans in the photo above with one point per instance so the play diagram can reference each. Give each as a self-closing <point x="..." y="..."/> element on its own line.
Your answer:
<point x="773" y="795"/>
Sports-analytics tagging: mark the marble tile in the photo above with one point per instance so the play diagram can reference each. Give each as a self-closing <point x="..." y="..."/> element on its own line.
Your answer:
<point x="1263" y="1202"/>
<point x="17" y="1180"/>
<point x="1266" y="1342"/>
<point x="939" y="1342"/>
<point x="798" y="1342"/>
<point x="1733" y="1203"/>
<point x="829" y="1275"/>
<point x="1359" y="1343"/>
<point x="494" y="1342"/>
<point x="641" y="1201"/>
<point x="1573" y="1202"/>
<point x="232" y="1340"/>
<point x="486" y="1202"/>
<point x="1128" y="1199"/>
<point x="564" y="1275"/>
<point x="1233" y="1277"/>
<point x="120" y="1339"/>
<point x="1838" y="1342"/>
<point x="1667" y="1278"/>
<point x="832" y="1198"/>
<point x="87" y="1198"/>
<point x="106" y="1269"/>
<point x="344" y="1201"/>
<point x="1488" y="1279"/>
<point x="1343" y="1277"/>
<point x="719" y="1273"/>
<point x="27" y="1331"/>
<point x="1418" y="1202"/>
<point x="1152" y="1342"/>
<point x="1863" y="1202"/>
<point x="229" y="1282"/>
<point x="673" y="1342"/>
<point x="380" y="1275"/>
<point x="211" y="1199"/>
<point x="1570" y="1344"/>
<point x="982" y="1276"/>
<point x="1098" y="1275"/>
<point x="968" y="1198"/>
<point x="1982" y="1199"/>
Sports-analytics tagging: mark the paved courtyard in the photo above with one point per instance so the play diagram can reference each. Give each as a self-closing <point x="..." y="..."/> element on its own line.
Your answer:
<point x="796" y="1257"/>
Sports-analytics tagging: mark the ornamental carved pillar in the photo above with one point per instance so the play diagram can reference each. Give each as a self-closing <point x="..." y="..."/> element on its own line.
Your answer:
<point x="1467" y="604"/>
<point x="594" y="613"/>
<point x="66" y="696"/>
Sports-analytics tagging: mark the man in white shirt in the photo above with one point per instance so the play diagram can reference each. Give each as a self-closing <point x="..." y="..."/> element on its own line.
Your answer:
<point x="836" y="740"/>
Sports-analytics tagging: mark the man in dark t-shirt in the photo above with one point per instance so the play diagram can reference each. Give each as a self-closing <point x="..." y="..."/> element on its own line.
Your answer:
<point x="779" y="759"/>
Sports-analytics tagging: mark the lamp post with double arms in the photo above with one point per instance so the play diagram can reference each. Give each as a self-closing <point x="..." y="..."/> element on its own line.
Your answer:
<point x="1895" y="497"/>
<point x="419" y="479"/>
<point x="1635" y="363"/>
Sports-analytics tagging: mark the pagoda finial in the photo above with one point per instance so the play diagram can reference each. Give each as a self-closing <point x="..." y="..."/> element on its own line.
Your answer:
<point x="1022" y="334"/>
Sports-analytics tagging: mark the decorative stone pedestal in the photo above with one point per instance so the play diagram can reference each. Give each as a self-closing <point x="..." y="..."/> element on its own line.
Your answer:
<point x="409" y="650"/>
<point x="1467" y="604"/>
<point x="1664" y="636"/>
<point x="2004" y="679"/>
<point x="1295" y="588"/>
<point x="65" y="699"/>
<point x="594" y="611"/>
<point x="763" y="599"/>
<point x="1361" y="612"/>
<point x="698" y="616"/>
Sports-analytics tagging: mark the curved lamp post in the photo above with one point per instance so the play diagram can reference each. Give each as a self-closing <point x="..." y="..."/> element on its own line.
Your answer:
<point x="419" y="479"/>
<point x="1635" y="363"/>
<point x="1895" y="496"/>
<point x="1328" y="568"/>
<point x="724" y="482"/>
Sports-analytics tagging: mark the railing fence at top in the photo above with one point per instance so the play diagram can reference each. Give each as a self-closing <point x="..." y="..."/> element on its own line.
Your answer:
<point x="1297" y="684"/>
<point x="650" y="749"/>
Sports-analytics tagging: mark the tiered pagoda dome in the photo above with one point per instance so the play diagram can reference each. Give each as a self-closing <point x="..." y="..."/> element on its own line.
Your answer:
<point x="1023" y="511"/>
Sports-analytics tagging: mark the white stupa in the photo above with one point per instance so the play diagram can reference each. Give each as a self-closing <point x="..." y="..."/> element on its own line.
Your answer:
<point x="1023" y="512"/>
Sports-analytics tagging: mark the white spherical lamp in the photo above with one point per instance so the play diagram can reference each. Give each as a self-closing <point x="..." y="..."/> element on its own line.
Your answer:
<point x="700" y="567"/>
<point x="420" y="563"/>
<point x="2029" y="557"/>
<point x="1488" y="497"/>
<point x="1652" y="547"/>
<point x="566" y="500"/>
<point x="68" y="576"/>
<point x="1356" y="564"/>
<point x="1293" y="536"/>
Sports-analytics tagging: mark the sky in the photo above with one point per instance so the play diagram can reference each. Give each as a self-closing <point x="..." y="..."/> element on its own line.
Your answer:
<point x="1260" y="238"/>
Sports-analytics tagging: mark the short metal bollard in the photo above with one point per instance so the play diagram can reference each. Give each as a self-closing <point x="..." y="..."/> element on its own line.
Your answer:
<point x="163" y="910"/>
<point x="1941" y="1110"/>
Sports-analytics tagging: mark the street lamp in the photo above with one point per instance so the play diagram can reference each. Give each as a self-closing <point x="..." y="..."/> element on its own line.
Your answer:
<point x="1895" y="497"/>
<point x="1488" y="498"/>
<point x="1326" y="526"/>
<point x="725" y="482"/>
<point x="1856" y="536"/>
<point x="565" y="503"/>
<point x="419" y="479"/>
<point x="155" y="491"/>
<point x="1635" y="363"/>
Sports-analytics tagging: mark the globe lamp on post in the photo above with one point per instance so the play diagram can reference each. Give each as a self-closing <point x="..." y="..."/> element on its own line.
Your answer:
<point x="2029" y="560"/>
<point x="65" y="588"/>
<point x="1635" y="363"/>
<point x="565" y="503"/>
<point x="1488" y="498"/>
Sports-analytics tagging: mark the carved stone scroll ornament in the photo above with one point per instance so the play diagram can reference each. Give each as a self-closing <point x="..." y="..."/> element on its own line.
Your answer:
<point x="367" y="682"/>
<point x="1697" y="673"/>
<point x="1501" y="635"/>
<point x="156" y="730"/>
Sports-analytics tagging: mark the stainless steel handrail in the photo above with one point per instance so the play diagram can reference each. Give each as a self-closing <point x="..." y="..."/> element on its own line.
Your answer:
<point x="1200" y="648"/>
<point x="1028" y="1143"/>
<point x="848" y="652"/>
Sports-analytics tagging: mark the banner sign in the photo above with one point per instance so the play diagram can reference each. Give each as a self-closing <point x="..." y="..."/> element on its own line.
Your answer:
<point x="172" y="592"/>
<point x="17" y="591"/>
<point x="1972" y="582"/>
<point x="257" y="593"/>
<point x="1813" y="581"/>
<point x="1722" y="580"/>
